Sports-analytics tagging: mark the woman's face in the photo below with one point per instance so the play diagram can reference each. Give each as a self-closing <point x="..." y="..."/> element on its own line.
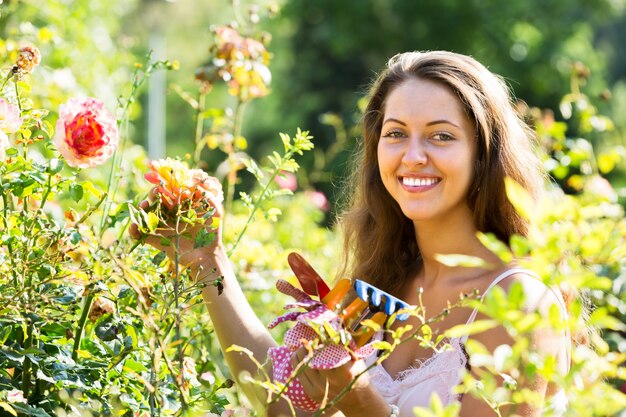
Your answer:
<point x="427" y="151"/>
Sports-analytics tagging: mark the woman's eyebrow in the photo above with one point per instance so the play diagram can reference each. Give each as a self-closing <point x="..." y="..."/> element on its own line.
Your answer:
<point x="443" y="121"/>
<point x="394" y="120"/>
<point x="434" y="122"/>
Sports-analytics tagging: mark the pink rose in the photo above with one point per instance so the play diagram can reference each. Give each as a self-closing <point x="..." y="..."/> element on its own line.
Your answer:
<point x="16" y="396"/>
<point x="318" y="199"/>
<point x="86" y="133"/>
<point x="287" y="180"/>
<point x="10" y="120"/>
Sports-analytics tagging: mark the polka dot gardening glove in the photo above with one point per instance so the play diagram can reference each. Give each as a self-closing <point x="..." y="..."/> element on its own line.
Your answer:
<point x="312" y="323"/>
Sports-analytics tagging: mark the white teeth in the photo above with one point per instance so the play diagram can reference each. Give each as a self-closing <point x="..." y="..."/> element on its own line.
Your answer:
<point x="419" y="182"/>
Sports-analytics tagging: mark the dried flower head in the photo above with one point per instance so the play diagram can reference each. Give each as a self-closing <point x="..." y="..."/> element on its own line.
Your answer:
<point x="239" y="61"/>
<point x="86" y="133"/>
<point x="27" y="59"/>
<point x="100" y="307"/>
<point x="177" y="184"/>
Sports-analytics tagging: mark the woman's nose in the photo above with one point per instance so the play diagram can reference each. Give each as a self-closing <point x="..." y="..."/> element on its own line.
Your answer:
<point x="415" y="153"/>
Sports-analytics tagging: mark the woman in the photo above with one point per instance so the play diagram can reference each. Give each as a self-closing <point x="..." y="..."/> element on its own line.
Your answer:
<point x="441" y="135"/>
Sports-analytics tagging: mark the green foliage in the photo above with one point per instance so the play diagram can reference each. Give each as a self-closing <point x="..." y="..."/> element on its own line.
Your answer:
<point x="93" y="322"/>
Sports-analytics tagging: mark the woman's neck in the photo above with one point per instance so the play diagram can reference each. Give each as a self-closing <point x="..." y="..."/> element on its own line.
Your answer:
<point x="448" y="237"/>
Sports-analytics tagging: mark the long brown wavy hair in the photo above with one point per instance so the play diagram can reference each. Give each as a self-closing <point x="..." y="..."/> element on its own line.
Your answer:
<point x="379" y="240"/>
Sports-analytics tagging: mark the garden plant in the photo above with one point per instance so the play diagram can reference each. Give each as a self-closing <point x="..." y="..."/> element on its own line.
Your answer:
<point x="95" y="322"/>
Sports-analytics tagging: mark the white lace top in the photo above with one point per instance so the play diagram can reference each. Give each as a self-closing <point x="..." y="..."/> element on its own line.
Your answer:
<point x="441" y="372"/>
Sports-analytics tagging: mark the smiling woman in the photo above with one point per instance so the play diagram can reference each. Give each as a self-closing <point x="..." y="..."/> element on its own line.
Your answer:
<point x="426" y="151"/>
<point x="441" y="137"/>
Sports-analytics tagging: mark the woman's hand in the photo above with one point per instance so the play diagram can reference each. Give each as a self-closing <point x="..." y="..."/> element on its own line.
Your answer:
<point x="179" y="237"/>
<point x="324" y="386"/>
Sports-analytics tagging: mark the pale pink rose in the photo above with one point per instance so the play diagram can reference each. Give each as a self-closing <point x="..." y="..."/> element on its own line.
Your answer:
<point x="86" y="133"/>
<point x="176" y="183"/>
<point x="16" y="396"/>
<point x="318" y="199"/>
<point x="601" y="187"/>
<point x="287" y="180"/>
<point x="4" y="144"/>
<point x="208" y="377"/>
<point x="10" y="120"/>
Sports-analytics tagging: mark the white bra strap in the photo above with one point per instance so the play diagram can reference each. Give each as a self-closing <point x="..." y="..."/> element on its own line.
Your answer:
<point x="559" y="298"/>
<point x="495" y="282"/>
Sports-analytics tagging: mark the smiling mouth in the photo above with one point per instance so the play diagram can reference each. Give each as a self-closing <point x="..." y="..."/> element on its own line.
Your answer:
<point x="419" y="182"/>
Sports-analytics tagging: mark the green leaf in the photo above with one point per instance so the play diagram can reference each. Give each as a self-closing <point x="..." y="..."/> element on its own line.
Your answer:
<point x="76" y="192"/>
<point x="462" y="260"/>
<point x="520" y="198"/>
<point x="203" y="238"/>
<point x="27" y="410"/>
<point x="55" y="166"/>
<point x="603" y="320"/>
<point x="158" y="258"/>
<point x="7" y="407"/>
<point x="381" y="345"/>
<point x="153" y="222"/>
<point x="477" y="326"/>
<point x="491" y="242"/>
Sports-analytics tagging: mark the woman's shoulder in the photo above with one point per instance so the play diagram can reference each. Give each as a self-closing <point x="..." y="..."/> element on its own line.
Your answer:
<point x="537" y="295"/>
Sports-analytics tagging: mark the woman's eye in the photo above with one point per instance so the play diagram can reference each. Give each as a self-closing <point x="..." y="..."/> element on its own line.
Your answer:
<point x="393" y="134"/>
<point x="442" y="137"/>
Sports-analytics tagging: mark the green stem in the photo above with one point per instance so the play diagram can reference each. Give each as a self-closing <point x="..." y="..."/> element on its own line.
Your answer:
<point x="255" y="204"/>
<point x="199" y="127"/>
<point x="26" y="370"/>
<point x="231" y="178"/>
<point x="123" y="126"/>
<point x="14" y="269"/>
<point x="81" y="324"/>
<point x="45" y="194"/>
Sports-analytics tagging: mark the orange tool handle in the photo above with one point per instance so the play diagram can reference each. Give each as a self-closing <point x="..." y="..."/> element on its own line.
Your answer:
<point x="337" y="293"/>
<point x="361" y="338"/>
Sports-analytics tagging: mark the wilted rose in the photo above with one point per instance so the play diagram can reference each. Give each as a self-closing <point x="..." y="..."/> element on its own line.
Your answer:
<point x="10" y="120"/>
<point x="86" y="133"/>
<point x="177" y="184"/>
<point x="27" y="59"/>
<point x="100" y="307"/>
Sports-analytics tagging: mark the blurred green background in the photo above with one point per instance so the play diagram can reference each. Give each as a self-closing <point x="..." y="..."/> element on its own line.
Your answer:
<point x="324" y="54"/>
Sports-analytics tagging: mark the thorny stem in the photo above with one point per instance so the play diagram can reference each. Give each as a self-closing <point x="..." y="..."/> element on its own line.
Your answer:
<point x="177" y="306"/>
